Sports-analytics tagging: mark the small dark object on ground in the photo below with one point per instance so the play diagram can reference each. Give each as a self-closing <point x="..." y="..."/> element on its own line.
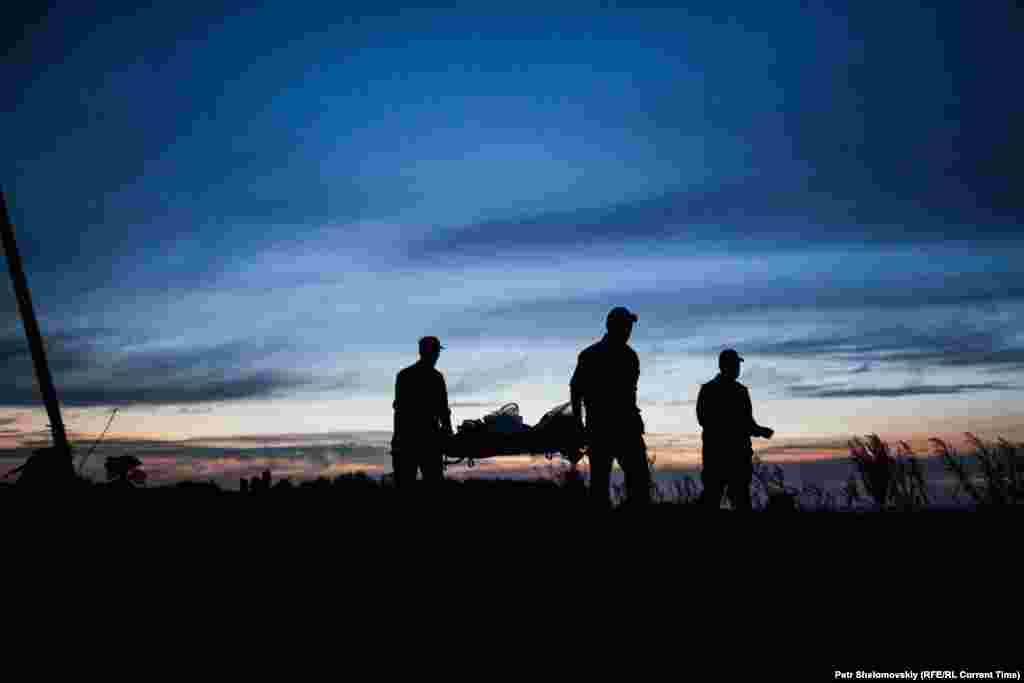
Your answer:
<point x="124" y="470"/>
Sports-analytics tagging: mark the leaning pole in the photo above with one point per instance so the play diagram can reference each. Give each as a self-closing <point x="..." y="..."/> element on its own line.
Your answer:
<point x="35" y="339"/>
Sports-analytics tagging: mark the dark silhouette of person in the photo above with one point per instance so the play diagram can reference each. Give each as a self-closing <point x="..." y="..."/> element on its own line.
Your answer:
<point x="605" y="384"/>
<point x="725" y="413"/>
<point x="423" y="420"/>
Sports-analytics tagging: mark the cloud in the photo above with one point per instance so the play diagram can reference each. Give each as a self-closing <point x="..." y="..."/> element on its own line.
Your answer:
<point x="468" y="382"/>
<point x="345" y="381"/>
<point x="249" y="441"/>
<point x="813" y="445"/>
<point x="832" y="391"/>
<point x="195" y="410"/>
<point x="678" y="295"/>
<point x="100" y="367"/>
<point x="1011" y="358"/>
<point x="259" y="384"/>
<point x="768" y="210"/>
<point x="921" y="338"/>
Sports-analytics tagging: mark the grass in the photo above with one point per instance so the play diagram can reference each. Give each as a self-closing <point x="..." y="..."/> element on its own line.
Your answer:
<point x="882" y="478"/>
<point x="892" y="480"/>
<point x="992" y="475"/>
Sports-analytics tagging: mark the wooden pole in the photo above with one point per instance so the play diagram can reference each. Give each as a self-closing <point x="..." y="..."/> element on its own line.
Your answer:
<point x="35" y="339"/>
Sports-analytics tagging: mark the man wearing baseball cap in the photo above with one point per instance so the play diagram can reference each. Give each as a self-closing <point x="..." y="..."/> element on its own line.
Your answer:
<point x="605" y="384"/>
<point x="725" y="413"/>
<point x="422" y="418"/>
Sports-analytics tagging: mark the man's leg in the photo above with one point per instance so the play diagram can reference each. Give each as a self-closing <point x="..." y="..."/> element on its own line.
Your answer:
<point x="432" y="468"/>
<point x="404" y="467"/>
<point x="740" y="477"/>
<point x="636" y="470"/>
<point x="711" y="478"/>
<point x="600" y="477"/>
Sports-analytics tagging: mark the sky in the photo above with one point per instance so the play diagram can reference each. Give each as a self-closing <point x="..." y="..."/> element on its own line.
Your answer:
<point x="237" y="220"/>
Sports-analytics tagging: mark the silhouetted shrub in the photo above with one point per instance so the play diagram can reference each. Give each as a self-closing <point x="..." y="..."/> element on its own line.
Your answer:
<point x="992" y="475"/>
<point x="891" y="480"/>
<point x="779" y="497"/>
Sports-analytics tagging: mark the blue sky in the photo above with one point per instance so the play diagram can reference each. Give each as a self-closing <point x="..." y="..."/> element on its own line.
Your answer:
<point x="239" y="220"/>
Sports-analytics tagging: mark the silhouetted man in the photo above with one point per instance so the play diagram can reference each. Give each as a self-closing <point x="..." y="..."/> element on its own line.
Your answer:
<point x="422" y="419"/>
<point x="727" y="417"/>
<point x="605" y="383"/>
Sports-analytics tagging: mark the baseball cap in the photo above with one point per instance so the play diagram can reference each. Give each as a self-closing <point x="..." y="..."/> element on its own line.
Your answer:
<point x="622" y="314"/>
<point x="729" y="354"/>
<point x="430" y="343"/>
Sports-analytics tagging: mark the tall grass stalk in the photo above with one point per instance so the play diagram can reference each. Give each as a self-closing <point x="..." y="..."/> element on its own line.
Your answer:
<point x="992" y="475"/>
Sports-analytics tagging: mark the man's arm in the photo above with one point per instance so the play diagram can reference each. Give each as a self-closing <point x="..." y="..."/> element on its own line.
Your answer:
<point x="636" y="384"/>
<point x="576" y="390"/>
<point x="394" y="405"/>
<point x="446" y="413"/>
<point x="755" y="429"/>
<point x="701" y="408"/>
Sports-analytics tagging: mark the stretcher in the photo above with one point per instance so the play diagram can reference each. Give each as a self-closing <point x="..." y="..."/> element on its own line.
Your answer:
<point x="503" y="432"/>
